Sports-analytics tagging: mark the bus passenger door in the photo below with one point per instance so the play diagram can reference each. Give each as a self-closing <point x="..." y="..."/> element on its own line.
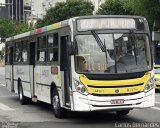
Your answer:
<point x="65" y="68"/>
<point x="31" y="67"/>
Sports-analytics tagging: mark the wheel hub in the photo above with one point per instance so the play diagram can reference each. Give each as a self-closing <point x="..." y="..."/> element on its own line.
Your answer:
<point x="55" y="102"/>
<point x="20" y="93"/>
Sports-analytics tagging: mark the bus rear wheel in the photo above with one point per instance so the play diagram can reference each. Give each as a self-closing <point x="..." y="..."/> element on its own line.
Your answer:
<point x="122" y="113"/>
<point x="59" y="112"/>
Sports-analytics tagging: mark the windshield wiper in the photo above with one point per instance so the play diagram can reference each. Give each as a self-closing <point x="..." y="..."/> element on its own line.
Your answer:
<point x="100" y="43"/>
<point x="133" y="39"/>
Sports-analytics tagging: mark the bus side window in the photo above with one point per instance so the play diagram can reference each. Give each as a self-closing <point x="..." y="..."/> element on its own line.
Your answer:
<point x="52" y="47"/>
<point x="41" y="49"/>
<point x="25" y="51"/>
<point x="64" y="58"/>
<point x="18" y="53"/>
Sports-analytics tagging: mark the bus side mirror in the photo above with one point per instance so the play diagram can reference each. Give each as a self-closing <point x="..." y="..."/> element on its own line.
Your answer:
<point x="70" y="49"/>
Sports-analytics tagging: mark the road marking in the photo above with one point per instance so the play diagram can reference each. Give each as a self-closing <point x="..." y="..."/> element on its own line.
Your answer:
<point x="9" y="96"/>
<point x="156" y="108"/>
<point x="2" y="85"/>
<point x="5" y="107"/>
<point x="157" y="102"/>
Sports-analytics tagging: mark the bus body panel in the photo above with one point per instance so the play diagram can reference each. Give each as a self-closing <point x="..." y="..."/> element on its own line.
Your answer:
<point x="101" y="98"/>
<point x="37" y="79"/>
<point x="44" y="79"/>
<point x="31" y="77"/>
<point x="9" y="77"/>
<point x="22" y="73"/>
<point x="96" y="103"/>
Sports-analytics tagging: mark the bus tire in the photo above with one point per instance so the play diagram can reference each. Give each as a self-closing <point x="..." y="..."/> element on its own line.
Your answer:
<point x="59" y="112"/>
<point x="122" y="113"/>
<point x="157" y="90"/>
<point x="23" y="100"/>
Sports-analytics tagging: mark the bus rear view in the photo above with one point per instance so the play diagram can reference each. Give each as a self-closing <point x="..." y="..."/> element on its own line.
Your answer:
<point x="112" y="67"/>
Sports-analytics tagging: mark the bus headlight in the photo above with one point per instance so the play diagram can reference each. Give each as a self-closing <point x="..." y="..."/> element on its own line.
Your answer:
<point x="149" y="86"/>
<point x="80" y="87"/>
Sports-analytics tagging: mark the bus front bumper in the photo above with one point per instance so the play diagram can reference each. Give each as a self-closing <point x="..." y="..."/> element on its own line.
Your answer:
<point x="97" y="103"/>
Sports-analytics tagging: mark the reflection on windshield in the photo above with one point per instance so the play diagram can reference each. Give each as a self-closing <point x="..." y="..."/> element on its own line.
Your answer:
<point x="122" y="53"/>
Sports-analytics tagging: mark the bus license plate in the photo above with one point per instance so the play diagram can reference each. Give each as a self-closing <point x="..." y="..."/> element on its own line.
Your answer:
<point x="117" y="101"/>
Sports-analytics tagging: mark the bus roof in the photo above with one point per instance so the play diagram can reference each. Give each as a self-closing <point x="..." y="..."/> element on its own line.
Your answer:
<point x="65" y="23"/>
<point x="39" y="30"/>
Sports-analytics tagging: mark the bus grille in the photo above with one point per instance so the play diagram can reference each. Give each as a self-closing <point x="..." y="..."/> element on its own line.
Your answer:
<point x="119" y="86"/>
<point x="122" y="94"/>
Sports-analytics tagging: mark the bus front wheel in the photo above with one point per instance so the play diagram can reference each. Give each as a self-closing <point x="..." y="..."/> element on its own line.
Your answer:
<point x="23" y="100"/>
<point x="122" y="113"/>
<point x="58" y="111"/>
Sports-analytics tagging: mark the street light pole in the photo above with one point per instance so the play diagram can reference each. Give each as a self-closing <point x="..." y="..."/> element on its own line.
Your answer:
<point x="16" y="11"/>
<point x="31" y="15"/>
<point x="12" y="10"/>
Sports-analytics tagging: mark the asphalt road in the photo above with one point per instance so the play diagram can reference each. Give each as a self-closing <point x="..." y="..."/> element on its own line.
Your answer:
<point x="2" y="75"/>
<point x="14" y="115"/>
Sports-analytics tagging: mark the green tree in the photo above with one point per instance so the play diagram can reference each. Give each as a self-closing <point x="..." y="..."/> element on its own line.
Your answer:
<point x="10" y="28"/>
<point x="66" y="10"/>
<point x="113" y="7"/>
<point x="147" y="8"/>
<point x="39" y="23"/>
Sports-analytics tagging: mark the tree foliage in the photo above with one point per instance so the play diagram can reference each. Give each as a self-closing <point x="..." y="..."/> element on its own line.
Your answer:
<point x="66" y="10"/>
<point x="147" y="8"/>
<point x="113" y="7"/>
<point x="39" y="23"/>
<point x="10" y="28"/>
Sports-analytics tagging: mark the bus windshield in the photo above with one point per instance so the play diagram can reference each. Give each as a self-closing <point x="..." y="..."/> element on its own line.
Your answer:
<point x="123" y="53"/>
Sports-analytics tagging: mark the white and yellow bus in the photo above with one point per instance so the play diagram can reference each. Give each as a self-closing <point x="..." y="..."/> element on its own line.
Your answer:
<point x="88" y="63"/>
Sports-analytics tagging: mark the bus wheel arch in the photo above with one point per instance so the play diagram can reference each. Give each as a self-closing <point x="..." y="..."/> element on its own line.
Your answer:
<point x="19" y="84"/>
<point x="23" y="99"/>
<point x="53" y="86"/>
<point x="58" y="111"/>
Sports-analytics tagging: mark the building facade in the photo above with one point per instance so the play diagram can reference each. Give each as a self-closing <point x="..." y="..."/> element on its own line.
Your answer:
<point x="4" y="10"/>
<point x="27" y="10"/>
<point x="16" y="9"/>
<point x="96" y="4"/>
<point x="40" y="6"/>
<point x="22" y="10"/>
<point x="4" y="13"/>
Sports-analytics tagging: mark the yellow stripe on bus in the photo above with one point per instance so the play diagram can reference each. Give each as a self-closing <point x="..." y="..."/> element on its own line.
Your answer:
<point x="54" y="26"/>
<point x="138" y="82"/>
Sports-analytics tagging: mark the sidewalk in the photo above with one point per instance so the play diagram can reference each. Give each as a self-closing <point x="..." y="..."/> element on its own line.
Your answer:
<point x="2" y="63"/>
